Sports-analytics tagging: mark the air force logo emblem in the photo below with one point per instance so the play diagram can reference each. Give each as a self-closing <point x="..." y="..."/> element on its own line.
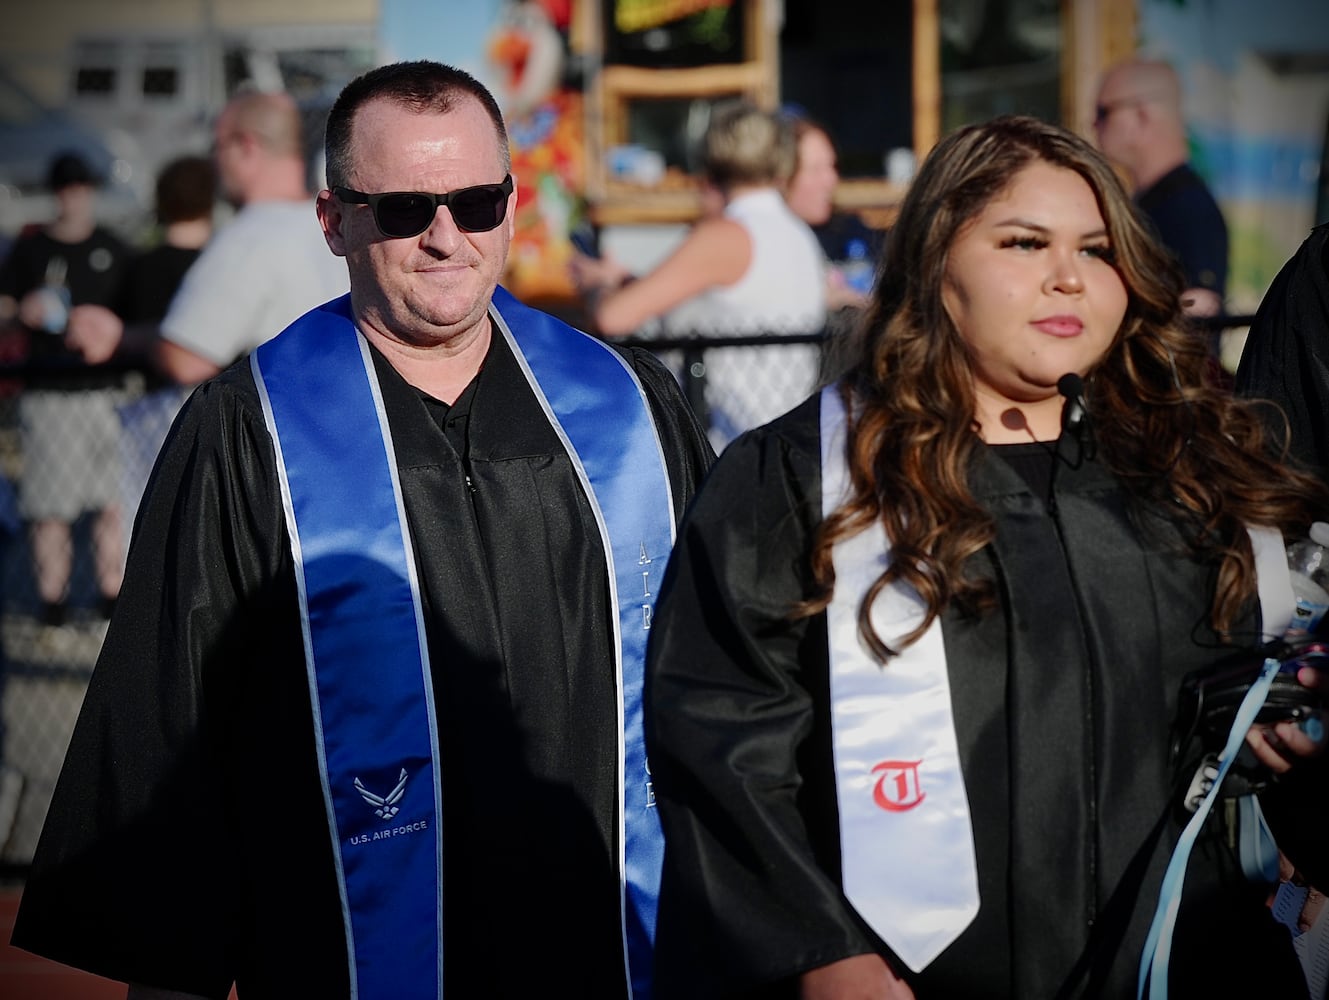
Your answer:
<point x="385" y="806"/>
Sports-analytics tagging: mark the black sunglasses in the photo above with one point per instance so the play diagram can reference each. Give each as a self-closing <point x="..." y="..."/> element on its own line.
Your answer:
<point x="1102" y="112"/>
<point x="403" y="214"/>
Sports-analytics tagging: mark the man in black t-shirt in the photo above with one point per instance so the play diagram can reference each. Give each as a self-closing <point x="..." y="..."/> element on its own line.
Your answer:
<point x="67" y="415"/>
<point x="1139" y="124"/>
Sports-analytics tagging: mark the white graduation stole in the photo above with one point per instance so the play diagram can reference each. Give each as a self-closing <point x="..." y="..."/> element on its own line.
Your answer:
<point x="906" y="840"/>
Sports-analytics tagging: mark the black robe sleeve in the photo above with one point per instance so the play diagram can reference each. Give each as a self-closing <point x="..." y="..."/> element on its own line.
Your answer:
<point x="748" y="898"/>
<point x="132" y="877"/>
<point x="1286" y="357"/>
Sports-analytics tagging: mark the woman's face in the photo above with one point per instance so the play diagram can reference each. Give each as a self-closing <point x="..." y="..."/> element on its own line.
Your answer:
<point x="812" y="188"/>
<point x="1032" y="290"/>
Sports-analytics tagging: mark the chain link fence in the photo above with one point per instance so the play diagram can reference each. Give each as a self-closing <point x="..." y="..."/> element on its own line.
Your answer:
<point x="64" y="515"/>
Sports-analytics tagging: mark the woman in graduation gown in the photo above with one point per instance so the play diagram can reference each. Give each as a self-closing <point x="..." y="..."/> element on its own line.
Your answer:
<point x="914" y="671"/>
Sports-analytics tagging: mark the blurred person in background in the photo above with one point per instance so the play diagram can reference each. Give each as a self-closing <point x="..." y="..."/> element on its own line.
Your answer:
<point x="186" y="193"/>
<point x="262" y="269"/>
<point x="852" y="248"/>
<point x="67" y="416"/>
<point x="1139" y="124"/>
<point x="750" y="266"/>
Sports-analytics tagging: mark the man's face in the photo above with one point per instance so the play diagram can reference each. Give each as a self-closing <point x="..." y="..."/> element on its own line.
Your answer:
<point x="1116" y="118"/>
<point x="77" y="202"/>
<point x="434" y="287"/>
<point x="230" y="155"/>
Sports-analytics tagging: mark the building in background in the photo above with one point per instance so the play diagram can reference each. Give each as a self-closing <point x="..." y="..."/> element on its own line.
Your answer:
<point x="604" y="95"/>
<point x="147" y="77"/>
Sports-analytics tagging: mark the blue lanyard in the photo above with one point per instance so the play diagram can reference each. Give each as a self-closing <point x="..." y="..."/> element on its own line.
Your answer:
<point x="1158" y="944"/>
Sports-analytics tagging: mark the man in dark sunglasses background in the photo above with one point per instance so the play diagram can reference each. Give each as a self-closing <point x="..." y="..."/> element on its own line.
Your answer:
<point x="1138" y="122"/>
<point x="375" y="672"/>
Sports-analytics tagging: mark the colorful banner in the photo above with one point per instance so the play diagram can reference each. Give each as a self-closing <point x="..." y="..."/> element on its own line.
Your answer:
<point x="519" y="49"/>
<point x="642" y="15"/>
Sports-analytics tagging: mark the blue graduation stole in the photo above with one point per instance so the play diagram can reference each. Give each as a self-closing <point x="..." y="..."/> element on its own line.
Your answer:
<point x="365" y="644"/>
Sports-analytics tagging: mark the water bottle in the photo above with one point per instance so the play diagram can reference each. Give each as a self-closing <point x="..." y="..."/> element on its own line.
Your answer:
<point x="857" y="269"/>
<point x="54" y="296"/>
<point x="55" y="308"/>
<point x="1308" y="563"/>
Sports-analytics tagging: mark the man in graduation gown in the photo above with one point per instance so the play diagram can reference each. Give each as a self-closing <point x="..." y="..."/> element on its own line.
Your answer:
<point x="1062" y="702"/>
<point x="367" y="721"/>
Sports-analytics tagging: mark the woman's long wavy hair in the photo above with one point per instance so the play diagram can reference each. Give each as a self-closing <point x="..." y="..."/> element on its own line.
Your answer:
<point x="1177" y="443"/>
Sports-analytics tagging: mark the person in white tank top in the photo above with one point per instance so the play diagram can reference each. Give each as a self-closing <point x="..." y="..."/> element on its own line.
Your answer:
<point x="752" y="268"/>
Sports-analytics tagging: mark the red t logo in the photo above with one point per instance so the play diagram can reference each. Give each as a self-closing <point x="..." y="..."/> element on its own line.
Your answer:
<point x="898" y="788"/>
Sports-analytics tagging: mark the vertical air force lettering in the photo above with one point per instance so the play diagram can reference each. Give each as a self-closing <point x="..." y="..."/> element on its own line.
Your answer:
<point x="585" y="383"/>
<point x="644" y="560"/>
<point x="647" y="606"/>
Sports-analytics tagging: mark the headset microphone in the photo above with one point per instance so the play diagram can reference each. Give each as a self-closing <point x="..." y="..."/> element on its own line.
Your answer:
<point x="1073" y="412"/>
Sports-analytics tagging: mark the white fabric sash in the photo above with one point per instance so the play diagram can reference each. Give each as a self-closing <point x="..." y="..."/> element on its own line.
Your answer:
<point x="906" y="839"/>
<point x="1273" y="581"/>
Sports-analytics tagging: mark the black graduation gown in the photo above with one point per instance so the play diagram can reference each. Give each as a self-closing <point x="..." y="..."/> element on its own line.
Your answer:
<point x="187" y="844"/>
<point x="1286" y="357"/>
<point x="1062" y="702"/>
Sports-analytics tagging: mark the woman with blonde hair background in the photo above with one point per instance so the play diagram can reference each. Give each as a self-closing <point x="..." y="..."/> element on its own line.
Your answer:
<point x="916" y="664"/>
<point x="750" y="267"/>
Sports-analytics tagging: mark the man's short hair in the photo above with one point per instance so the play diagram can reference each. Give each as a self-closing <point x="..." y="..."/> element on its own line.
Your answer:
<point x="271" y="118"/>
<point x="421" y="85"/>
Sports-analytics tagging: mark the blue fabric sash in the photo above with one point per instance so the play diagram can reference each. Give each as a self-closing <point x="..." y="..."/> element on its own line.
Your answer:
<point x="360" y="603"/>
<point x="365" y="647"/>
<point x="585" y="387"/>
